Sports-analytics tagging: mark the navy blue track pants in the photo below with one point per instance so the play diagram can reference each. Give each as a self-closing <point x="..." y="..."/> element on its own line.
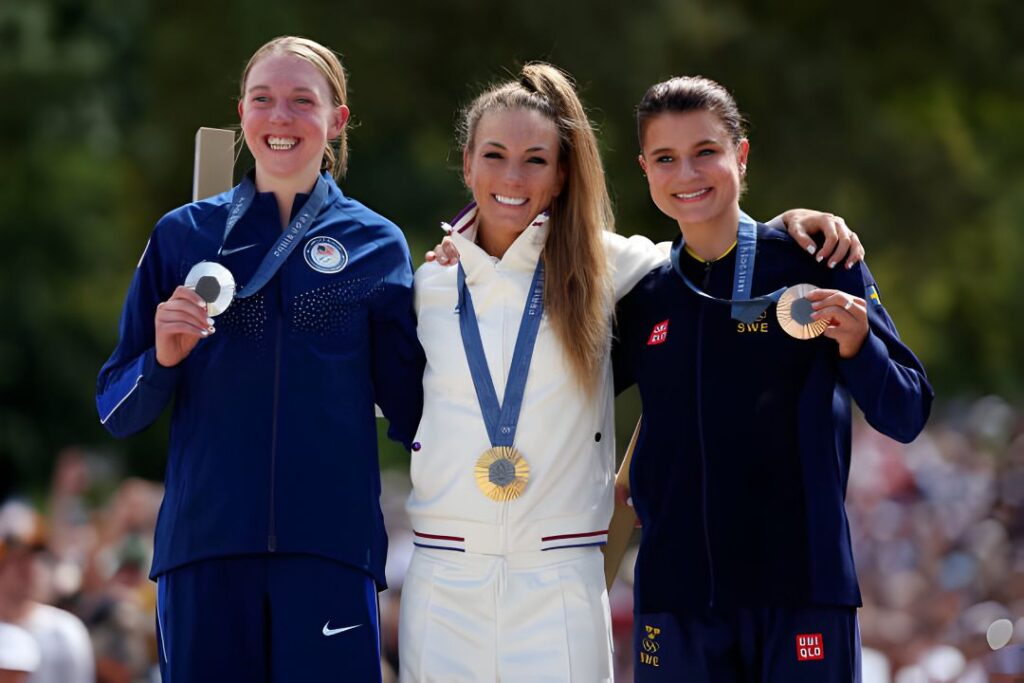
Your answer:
<point x="759" y="645"/>
<point x="268" y="619"/>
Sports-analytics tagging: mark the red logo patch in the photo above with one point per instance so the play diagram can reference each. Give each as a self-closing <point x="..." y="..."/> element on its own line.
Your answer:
<point x="659" y="334"/>
<point x="809" y="647"/>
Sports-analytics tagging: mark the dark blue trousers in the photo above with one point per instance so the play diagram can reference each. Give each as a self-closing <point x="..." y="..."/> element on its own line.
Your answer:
<point x="267" y="619"/>
<point x="758" y="645"/>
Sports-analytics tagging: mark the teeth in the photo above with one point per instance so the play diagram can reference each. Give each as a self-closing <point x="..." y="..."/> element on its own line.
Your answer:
<point x="281" y="143"/>
<point x="691" y="195"/>
<point x="511" y="201"/>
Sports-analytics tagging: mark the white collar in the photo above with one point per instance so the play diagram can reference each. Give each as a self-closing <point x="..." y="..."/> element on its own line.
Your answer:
<point x="523" y="253"/>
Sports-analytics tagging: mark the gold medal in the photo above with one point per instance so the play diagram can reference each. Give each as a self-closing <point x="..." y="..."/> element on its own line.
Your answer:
<point x="794" y="313"/>
<point x="501" y="473"/>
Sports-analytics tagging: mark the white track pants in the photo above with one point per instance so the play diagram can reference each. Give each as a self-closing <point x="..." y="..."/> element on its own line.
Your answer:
<point x="536" y="617"/>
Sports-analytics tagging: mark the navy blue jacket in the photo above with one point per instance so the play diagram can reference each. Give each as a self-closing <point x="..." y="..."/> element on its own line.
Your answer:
<point x="740" y="470"/>
<point x="273" y="441"/>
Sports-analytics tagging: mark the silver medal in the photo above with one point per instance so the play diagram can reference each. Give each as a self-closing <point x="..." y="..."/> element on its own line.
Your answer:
<point x="214" y="283"/>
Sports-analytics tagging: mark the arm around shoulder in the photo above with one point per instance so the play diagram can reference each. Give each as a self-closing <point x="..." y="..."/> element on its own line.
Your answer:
<point x="631" y="258"/>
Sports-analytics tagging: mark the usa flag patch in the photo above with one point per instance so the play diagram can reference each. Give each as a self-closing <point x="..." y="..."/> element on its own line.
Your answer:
<point x="809" y="647"/>
<point x="659" y="334"/>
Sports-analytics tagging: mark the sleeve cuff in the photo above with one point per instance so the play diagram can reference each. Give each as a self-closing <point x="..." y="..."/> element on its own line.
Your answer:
<point x="864" y="365"/>
<point x="156" y="375"/>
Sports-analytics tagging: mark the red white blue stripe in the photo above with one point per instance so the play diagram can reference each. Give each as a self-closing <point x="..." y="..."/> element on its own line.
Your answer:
<point x="439" y="541"/>
<point x="580" y="540"/>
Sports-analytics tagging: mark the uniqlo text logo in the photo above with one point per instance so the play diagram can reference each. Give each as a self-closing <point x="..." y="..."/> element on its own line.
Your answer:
<point x="809" y="647"/>
<point x="659" y="334"/>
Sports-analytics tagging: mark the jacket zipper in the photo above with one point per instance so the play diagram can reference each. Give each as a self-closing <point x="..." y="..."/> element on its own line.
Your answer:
<point x="505" y="363"/>
<point x="271" y="531"/>
<point x="700" y="436"/>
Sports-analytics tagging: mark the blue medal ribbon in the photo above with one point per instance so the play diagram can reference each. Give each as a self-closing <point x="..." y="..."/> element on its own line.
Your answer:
<point x="241" y="202"/>
<point x="744" y="309"/>
<point x="501" y="420"/>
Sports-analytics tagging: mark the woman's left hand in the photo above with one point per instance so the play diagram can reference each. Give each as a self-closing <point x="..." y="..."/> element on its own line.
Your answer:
<point x="446" y="253"/>
<point x="847" y="316"/>
<point x="840" y="241"/>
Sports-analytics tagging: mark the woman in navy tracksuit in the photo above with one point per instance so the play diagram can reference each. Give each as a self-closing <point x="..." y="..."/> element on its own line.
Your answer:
<point x="270" y="544"/>
<point x="745" y="570"/>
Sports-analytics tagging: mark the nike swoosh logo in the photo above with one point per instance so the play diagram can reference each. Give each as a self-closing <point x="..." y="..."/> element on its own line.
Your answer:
<point x="228" y="252"/>
<point x="335" y="631"/>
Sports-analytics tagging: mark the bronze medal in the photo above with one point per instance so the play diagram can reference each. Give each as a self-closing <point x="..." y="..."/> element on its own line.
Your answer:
<point x="794" y="313"/>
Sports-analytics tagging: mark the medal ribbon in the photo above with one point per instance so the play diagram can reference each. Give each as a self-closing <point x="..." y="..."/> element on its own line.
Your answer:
<point x="241" y="202"/>
<point x="744" y="309"/>
<point x="501" y="421"/>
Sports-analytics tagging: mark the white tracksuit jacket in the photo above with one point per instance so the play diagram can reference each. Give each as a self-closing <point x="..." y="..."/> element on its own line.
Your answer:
<point x="567" y="438"/>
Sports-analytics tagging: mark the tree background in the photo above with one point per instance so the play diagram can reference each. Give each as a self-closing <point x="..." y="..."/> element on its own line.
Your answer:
<point x="906" y="119"/>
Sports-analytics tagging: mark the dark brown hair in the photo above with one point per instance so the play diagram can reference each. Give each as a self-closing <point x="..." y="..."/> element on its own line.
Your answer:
<point x="690" y="93"/>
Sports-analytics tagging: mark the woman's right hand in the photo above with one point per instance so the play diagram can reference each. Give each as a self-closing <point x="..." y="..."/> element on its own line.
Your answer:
<point x="445" y="253"/>
<point x="181" y="322"/>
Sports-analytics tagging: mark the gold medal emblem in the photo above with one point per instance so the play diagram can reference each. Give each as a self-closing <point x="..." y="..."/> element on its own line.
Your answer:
<point x="794" y="313"/>
<point x="501" y="473"/>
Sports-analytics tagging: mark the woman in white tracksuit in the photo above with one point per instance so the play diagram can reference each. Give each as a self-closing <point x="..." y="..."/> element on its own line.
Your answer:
<point x="513" y="463"/>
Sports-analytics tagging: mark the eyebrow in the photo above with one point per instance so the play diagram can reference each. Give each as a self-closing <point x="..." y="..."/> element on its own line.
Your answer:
<point x="267" y="87"/>
<point x="709" y="141"/>
<point x="535" y="148"/>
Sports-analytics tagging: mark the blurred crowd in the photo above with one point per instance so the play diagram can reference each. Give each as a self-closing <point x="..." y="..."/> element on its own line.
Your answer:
<point x="937" y="525"/>
<point x="937" y="532"/>
<point x="74" y="575"/>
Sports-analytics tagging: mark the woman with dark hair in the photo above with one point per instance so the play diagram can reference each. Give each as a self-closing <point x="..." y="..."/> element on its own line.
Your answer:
<point x="746" y="373"/>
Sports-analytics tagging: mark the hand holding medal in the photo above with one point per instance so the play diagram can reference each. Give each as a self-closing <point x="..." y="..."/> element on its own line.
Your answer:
<point x="847" y="316"/>
<point x="804" y="312"/>
<point x="796" y="313"/>
<point x="214" y="283"/>
<point x="209" y="287"/>
<point x="180" y="322"/>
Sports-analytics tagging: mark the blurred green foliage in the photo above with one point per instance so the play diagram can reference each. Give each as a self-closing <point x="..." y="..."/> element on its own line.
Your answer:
<point x="905" y="119"/>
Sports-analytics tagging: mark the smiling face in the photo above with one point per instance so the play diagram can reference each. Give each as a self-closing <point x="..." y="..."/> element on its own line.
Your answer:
<point x="512" y="168"/>
<point x="693" y="168"/>
<point x="288" y="115"/>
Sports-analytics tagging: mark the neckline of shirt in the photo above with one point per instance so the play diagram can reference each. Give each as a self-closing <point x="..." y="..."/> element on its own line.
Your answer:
<point x="522" y="255"/>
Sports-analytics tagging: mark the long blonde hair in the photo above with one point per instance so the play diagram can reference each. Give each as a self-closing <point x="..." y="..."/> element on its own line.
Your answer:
<point x="576" y="278"/>
<point x="330" y="66"/>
